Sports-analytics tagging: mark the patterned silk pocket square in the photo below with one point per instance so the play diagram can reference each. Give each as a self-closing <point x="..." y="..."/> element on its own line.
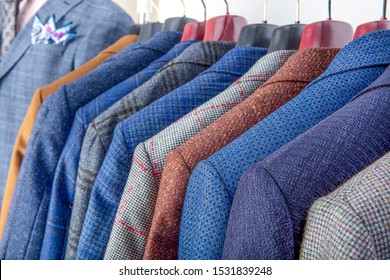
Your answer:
<point x="48" y="34"/>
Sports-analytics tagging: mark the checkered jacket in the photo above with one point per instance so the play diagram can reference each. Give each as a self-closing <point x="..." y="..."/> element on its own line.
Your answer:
<point x="111" y="180"/>
<point x="273" y="197"/>
<point x="353" y="222"/>
<point x="152" y="153"/>
<point x="280" y="88"/>
<point x="214" y="181"/>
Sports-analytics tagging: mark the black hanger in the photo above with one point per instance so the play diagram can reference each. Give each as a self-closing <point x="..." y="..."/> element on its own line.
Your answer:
<point x="288" y="37"/>
<point x="257" y="35"/>
<point x="147" y="30"/>
<point x="178" y="23"/>
<point x="135" y="29"/>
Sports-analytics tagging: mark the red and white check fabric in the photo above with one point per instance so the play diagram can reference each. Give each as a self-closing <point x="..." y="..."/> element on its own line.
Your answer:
<point x="139" y="197"/>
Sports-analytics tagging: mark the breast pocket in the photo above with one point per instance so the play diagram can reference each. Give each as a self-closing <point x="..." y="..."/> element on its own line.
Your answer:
<point x="47" y="63"/>
<point x="47" y="50"/>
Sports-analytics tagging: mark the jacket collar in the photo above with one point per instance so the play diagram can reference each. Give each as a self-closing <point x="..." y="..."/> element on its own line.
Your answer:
<point x="260" y="70"/>
<point x="235" y="60"/>
<point x="304" y="66"/>
<point x="201" y="53"/>
<point x="370" y="50"/>
<point x="22" y="41"/>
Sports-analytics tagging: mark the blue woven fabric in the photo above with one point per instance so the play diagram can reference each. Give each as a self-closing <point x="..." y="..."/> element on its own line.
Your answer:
<point x="26" y="221"/>
<point x="61" y="201"/>
<point x="269" y="209"/>
<point x="111" y="180"/>
<point x="213" y="183"/>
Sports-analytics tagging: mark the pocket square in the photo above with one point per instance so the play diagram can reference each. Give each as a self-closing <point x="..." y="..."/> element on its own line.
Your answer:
<point x="48" y="34"/>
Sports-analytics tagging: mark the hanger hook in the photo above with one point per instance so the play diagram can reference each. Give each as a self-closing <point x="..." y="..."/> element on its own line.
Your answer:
<point x="330" y="10"/>
<point x="384" y="15"/>
<point x="184" y="7"/>
<point x="227" y="6"/>
<point x="265" y="16"/>
<point x="298" y="19"/>
<point x="205" y="10"/>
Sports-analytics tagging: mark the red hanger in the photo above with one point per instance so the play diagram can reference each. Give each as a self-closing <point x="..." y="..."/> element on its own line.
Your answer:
<point x="224" y="28"/>
<point x="195" y="30"/>
<point x="368" y="27"/>
<point x="326" y="34"/>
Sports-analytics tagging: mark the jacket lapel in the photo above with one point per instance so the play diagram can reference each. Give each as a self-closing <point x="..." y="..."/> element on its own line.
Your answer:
<point x="22" y="41"/>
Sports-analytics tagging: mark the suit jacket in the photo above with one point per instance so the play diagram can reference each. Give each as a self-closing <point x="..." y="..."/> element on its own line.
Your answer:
<point x="184" y="68"/>
<point x="41" y="64"/>
<point x="152" y="153"/>
<point x="64" y="184"/>
<point x="296" y="73"/>
<point x="39" y="96"/>
<point x="215" y="180"/>
<point x="137" y="207"/>
<point x="26" y="220"/>
<point x="273" y="197"/>
<point x="353" y="221"/>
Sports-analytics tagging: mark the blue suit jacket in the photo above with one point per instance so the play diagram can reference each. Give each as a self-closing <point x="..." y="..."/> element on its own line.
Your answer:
<point x="64" y="184"/>
<point x="25" y="67"/>
<point x="213" y="183"/>
<point x="26" y="221"/>
<point x="111" y="180"/>
<point x="273" y="197"/>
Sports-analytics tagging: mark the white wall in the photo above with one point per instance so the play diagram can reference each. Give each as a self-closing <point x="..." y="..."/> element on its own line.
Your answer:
<point x="280" y="11"/>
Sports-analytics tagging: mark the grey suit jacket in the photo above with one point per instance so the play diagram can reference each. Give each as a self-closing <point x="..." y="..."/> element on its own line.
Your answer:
<point x="26" y="67"/>
<point x="194" y="60"/>
<point x="353" y="222"/>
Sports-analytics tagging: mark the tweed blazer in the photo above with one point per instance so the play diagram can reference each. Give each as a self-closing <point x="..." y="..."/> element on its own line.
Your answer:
<point x="214" y="180"/>
<point x="136" y="208"/>
<point x="273" y="197"/>
<point x="26" y="221"/>
<point x="353" y="221"/>
<point x="152" y="152"/>
<point x="39" y="96"/>
<point x="184" y="68"/>
<point x="299" y="70"/>
<point x="26" y="67"/>
<point x="64" y="183"/>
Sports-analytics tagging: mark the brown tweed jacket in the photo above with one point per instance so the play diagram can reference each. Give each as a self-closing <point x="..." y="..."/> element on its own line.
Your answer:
<point x="301" y="68"/>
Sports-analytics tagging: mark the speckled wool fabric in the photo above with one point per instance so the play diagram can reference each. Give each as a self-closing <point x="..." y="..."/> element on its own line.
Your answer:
<point x="353" y="222"/>
<point x="273" y="197"/>
<point x="299" y="70"/>
<point x="152" y="153"/>
<point x="194" y="60"/>
<point x="135" y="208"/>
<point x="213" y="183"/>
